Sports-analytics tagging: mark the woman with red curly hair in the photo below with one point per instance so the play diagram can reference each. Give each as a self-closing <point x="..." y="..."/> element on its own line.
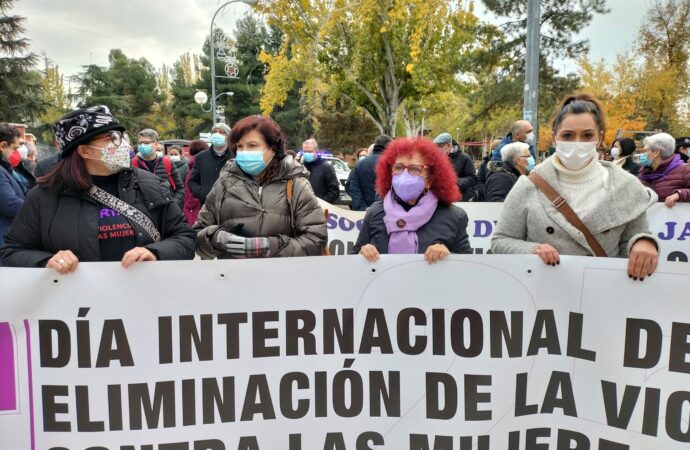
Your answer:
<point x="417" y="185"/>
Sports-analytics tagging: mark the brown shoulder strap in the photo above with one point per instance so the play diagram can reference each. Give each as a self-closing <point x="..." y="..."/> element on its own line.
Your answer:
<point x="289" y="188"/>
<point x="564" y="208"/>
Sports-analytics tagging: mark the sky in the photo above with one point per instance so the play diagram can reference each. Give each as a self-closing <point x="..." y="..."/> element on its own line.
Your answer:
<point x="74" y="33"/>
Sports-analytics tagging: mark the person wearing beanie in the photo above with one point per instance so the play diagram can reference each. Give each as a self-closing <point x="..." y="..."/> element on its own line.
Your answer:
<point x="147" y="158"/>
<point x="362" y="186"/>
<point x="611" y="204"/>
<point x="462" y="165"/>
<point x="93" y="206"/>
<point x="209" y="163"/>
<point x="622" y="151"/>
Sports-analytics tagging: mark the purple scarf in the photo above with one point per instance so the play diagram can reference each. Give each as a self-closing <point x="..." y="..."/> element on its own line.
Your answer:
<point x="402" y="225"/>
<point x="647" y="174"/>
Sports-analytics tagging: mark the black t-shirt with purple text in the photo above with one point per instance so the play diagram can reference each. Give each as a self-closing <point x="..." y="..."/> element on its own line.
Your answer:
<point x="115" y="233"/>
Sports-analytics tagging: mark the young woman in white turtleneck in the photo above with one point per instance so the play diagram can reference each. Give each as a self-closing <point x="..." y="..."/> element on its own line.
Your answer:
<point x="574" y="171"/>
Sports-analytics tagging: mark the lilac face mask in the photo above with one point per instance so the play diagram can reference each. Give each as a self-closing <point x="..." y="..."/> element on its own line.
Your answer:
<point x="408" y="187"/>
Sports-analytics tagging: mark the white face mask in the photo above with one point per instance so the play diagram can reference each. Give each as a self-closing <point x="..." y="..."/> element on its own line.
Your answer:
<point x="174" y="158"/>
<point x="615" y="152"/>
<point x="575" y="155"/>
<point x="529" y="138"/>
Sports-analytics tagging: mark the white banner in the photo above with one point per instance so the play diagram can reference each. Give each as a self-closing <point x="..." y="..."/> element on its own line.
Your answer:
<point x="671" y="226"/>
<point x="475" y="352"/>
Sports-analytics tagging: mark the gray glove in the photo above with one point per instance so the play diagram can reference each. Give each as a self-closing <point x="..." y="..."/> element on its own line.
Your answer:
<point x="238" y="246"/>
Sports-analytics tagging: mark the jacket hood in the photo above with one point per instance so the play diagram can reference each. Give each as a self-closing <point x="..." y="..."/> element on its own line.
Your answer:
<point x="503" y="166"/>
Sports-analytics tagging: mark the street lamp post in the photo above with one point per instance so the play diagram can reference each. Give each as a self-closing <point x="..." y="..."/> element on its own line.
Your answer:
<point x="213" y="56"/>
<point x="201" y="98"/>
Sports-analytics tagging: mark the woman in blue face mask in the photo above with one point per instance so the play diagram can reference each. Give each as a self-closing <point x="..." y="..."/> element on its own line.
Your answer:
<point x="515" y="160"/>
<point x="417" y="184"/>
<point x="262" y="205"/>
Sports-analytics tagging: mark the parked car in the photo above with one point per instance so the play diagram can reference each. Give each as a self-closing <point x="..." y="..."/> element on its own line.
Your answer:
<point x="342" y="171"/>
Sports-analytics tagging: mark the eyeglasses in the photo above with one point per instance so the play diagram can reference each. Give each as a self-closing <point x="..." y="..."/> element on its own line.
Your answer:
<point x="525" y="156"/>
<point x="412" y="169"/>
<point x="116" y="141"/>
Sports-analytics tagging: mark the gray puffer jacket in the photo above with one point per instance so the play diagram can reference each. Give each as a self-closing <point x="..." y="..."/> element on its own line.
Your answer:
<point x="528" y="218"/>
<point x="238" y="204"/>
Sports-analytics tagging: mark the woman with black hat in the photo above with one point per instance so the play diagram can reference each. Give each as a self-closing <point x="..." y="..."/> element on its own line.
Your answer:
<point x="92" y="206"/>
<point x="622" y="151"/>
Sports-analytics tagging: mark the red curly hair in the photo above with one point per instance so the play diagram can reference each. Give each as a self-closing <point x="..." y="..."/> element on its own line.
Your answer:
<point x="443" y="177"/>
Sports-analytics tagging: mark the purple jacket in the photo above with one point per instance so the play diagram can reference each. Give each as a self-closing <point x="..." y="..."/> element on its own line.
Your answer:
<point x="676" y="180"/>
<point x="192" y="205"/>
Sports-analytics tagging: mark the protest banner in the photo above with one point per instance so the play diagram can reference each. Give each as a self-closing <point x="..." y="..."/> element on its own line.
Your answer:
<point x="474" y="352"/>
<point x="670" y="225"/>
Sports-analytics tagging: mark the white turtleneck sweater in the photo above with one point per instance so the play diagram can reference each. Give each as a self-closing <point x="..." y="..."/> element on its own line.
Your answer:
<point x="583" y="189"/>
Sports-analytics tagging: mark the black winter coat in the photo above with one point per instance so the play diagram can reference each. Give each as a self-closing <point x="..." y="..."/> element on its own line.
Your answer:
<point x="323" y="180"/>
<point x="160" y="171"/>
<point x="362" y="185"/>
<point x="447" y="226"/>
<point x="46" y="165"/>
<point x="467" y="178"/>
<point x="482" y="172"/>
<point x="631" y="167"/>
<point x="206" y="170"/>
<point x="51" y="221"/>
<point x="500" y="180"/>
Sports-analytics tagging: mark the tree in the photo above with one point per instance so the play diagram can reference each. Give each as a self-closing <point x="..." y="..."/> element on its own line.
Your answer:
<point x="615" y="87"/>
<point x="20" y="84"/>
<point x="375" y="54"/>
<point x="497" y="82"/>
<point x="55" y="98"/>
<point x="127" y="86"/>
<point x="664" y="44"/>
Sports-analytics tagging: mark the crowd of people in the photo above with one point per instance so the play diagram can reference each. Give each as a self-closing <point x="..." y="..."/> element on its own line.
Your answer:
<point x="246" y="196"/>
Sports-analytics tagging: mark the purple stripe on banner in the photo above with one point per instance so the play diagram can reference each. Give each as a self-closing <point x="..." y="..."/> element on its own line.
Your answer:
<point x="31" y="383"/>
<point x="8" y="385"/>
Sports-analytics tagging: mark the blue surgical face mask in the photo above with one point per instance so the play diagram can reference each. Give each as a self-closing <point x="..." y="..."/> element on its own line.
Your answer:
<point x="145" y="149"/>
<point x="308" y="157"/>
<point x="644" y="160"/>
<point x="251" y="161"/>
<point x="531" y="163"/>
<point x="218" y="140"/>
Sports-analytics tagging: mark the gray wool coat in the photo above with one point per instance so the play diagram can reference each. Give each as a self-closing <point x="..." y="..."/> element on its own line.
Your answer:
<point x="528" y="217"/>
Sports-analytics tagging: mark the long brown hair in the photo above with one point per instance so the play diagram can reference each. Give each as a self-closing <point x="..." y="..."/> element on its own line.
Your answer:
<point x="68" y="175"/>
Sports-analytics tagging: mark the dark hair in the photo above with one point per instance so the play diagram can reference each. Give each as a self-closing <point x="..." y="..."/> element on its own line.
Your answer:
<point x="69" y="174"/>
<point x="291" y="153"/>
<point x="627" y="146"/>
<point x="269" y="129"/>
<point x="197" y="146"/>
<point x="443" y="177"/>
<point x="360" y="150"/>
<point x="8" y="133"/>
<point x="174" y="147"/>
<point x="580" y="103"/>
